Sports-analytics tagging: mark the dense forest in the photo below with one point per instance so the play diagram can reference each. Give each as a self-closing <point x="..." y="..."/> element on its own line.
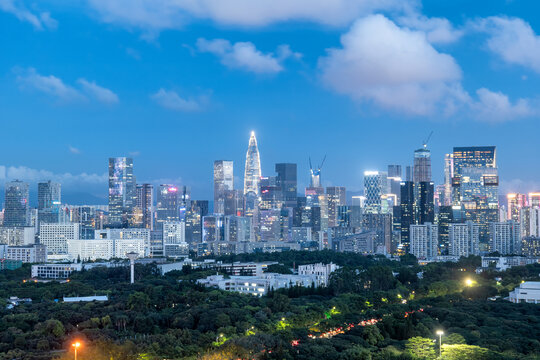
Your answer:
<point x="374" y="308"/>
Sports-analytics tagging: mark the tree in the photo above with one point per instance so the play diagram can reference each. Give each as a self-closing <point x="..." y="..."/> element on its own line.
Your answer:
<point x="420" y="348"/>
<point x="138" y="301"/>
<point x="465" y="352"/>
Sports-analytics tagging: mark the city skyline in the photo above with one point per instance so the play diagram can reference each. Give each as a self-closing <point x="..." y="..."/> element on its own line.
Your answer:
<point x="238" y="179"/>
<point x="80" y="69"/>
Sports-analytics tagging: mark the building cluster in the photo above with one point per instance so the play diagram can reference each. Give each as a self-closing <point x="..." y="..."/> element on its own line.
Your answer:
<point x="258" y="284"/>
<point x="399" y="212"/>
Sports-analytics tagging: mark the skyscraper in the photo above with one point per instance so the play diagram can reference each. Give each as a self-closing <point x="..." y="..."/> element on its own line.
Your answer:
<point x="515" y="203"/>
<point x="145" y="202"/>
<point x="475" y="185"/>
<point x="375" y="185"/>
<point x="336" y="197"/>
<point x="252" y="173"/>
<point x="223" y="181"/>
<point x="122" y="191"/>
<point x="17" y="207"/>
<point x="394" y="181"/>
<point x="167" y="208"/>
<point x="448" y="175"/>
<point x="49" y="200"/>
<point x="287" y="181"/>
<point x="422" y="165"/>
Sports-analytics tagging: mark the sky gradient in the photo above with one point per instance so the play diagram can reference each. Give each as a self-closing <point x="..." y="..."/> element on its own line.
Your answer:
<point x="177" y="85"/>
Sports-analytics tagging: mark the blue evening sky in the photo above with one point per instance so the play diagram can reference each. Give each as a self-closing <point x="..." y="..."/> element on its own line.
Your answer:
<point x="89" y="80"/>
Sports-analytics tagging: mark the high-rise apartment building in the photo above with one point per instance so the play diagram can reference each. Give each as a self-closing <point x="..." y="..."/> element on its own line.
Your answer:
<point x="17" y="206"/>
<point x="122" y="191"/>
<point x="464" y="239"/>
<point x="506" y="237"/>
<point x="424" y="239"/>
<point x="223" y="181"/>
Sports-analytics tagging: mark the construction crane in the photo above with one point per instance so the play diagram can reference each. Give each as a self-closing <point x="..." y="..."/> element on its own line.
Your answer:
<point x="427" y="140"/>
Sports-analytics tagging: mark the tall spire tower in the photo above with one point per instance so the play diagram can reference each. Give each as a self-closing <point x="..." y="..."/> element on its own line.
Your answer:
<point x="252" y="175"/>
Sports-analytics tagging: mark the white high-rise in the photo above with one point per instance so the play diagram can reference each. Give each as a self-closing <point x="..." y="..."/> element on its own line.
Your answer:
<point x="252" y="175"/>
<point x="506" y="237"/>
<point x="424" y="240"/>
<point x="463" y="239"/>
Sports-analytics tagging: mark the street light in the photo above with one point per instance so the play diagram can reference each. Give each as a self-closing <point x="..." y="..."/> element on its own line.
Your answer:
<point x="440" y="333"/>
<point x="468" y="282"/>
<point x="76" y="345"/>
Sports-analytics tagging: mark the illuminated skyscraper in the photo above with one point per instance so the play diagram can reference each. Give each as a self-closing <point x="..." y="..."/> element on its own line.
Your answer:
<point x="336" y="197"/>
<point x="475" y="185"/>
<point x="223" y="181"/>
<point x="145" y="202"/>
<point x="252" y="173"/>
<point x="17" y="207"/>
<point x="49" y="200"/>
<point x="375" y="186"/>
<point x="534" y="199"/>
<point x="167" y="208"/>
<point x="515" y="203"/>
<point x="122" y="191"/>
<point x="448" y="175"/>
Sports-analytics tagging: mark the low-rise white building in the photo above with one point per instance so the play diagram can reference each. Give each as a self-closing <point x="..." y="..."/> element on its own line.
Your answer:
<point x="320" y="271"/>
<point x="527" y="292"/>
<point x="86" y="298"/>
<point x="54" y="271"/>
<point x="258" y="285"/>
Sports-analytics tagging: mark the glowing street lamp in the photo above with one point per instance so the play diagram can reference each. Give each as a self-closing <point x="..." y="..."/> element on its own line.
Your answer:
<point x="76" y="345"/>
<point x="468" y="282"/>
<point x="440" y="333"/>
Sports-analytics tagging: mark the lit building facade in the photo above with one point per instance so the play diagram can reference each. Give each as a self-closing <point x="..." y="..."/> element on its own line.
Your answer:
<point x="122" y="191"/>
<point x="223" y="181"/>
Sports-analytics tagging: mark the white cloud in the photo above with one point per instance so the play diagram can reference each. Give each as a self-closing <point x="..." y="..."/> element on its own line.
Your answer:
<point x="393" y="67"/>
<point x="497" y="107"/>
<point x="73" y="150"/>
<point x="513" y="40"/>
<point x="171" y="100"/>
<point x="102" y="94"/>
<point x="156" y="15"/>
<point x="245" y="56"/>
<point x="50" y="85"/>
<point x="29" y="174"/>
<point x="438" y="30"/>
<point x="39" y="21"/>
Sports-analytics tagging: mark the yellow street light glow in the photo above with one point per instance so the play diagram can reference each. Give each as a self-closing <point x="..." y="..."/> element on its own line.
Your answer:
<point x="468" y="282"/>
<point x="440" y="332"/>
<point x="76" y="344"/>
